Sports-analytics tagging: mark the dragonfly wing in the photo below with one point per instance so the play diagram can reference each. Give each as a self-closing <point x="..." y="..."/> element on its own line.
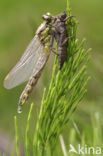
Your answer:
<point x="41" y="61"/>
<point x="24" y="68"/>
<point x="35" y="74"/>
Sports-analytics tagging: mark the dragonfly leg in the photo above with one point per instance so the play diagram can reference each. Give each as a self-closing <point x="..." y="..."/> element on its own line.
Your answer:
<point x="51" y="44"/>
<point x="53" y="50"/>
<point x="67" y="38"/>
<point x="68" y="18"/>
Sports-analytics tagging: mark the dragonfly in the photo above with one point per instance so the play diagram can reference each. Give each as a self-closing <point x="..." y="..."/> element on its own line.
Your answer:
<point x="33" y="61"/>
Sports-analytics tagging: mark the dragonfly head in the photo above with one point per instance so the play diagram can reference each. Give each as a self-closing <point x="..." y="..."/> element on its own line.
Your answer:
<point x="47" y="17"/>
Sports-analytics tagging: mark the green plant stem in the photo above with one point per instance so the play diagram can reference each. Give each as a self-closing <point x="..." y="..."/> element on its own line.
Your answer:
<point x="16" y="137"/>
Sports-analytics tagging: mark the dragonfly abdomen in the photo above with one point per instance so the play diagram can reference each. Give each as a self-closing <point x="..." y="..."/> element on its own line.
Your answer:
<point x="32" y="81"/>
<point x="28" y="89"/>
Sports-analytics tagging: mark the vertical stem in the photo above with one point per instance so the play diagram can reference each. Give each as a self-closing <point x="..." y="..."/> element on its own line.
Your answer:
<point x="68" y="8"/>
<point x="16" y="137"/>
<point x="63" y="146"/>
<point x="27" y="130"/>
<point x="68" y="4"/>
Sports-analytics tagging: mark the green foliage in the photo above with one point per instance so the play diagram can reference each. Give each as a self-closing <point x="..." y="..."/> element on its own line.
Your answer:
<point x="66" y="90"/>
<point x="27" y="132"/>
<point x="73" y="137"/>
<point x="96" y="140"/>
<point x="14" y="39"/>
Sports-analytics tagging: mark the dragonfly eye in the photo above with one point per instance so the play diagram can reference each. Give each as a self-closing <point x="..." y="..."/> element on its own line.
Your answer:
<point x="47" y="17"/>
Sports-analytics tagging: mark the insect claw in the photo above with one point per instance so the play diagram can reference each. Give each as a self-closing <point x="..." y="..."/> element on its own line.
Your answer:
<point x="68" y="18"/>
<point x="64" y="42"/>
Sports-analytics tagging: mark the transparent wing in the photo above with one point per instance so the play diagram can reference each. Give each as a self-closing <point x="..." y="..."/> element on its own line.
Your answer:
<point x="24" y="68"/>
<point x="41" y="62"/>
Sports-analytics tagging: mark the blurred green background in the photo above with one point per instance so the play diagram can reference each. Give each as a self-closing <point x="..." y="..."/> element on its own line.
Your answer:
<point x="19" y="20"/>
